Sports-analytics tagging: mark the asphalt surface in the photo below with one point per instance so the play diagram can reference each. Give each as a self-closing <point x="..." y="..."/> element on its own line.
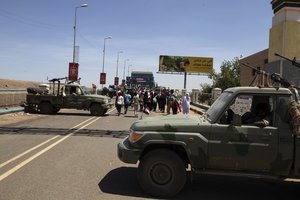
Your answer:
<point x="73" y="155"/>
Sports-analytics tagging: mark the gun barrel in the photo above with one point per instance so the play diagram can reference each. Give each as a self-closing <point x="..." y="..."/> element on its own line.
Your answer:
<point x="296" y="64"/>
<point x="257" y="70"/>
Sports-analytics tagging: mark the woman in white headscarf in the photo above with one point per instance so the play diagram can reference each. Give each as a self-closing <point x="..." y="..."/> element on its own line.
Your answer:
<point x="186" y="104"/>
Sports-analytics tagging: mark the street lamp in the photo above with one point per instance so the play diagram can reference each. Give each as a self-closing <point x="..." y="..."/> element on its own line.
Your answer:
<point x="109" y="37"/>
<point x="81" y="6"/>
<point x="128" y="70"/>
<point x="124" y="68"/>
<point x="118" y="62"/>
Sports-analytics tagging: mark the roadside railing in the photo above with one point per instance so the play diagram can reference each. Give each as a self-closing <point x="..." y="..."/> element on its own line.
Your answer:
<point x="202" y="106"/>
<point x="12" y="97"/>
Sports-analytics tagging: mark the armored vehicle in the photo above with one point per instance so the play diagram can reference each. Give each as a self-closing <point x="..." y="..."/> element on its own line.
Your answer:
<point x="70" y="95"/>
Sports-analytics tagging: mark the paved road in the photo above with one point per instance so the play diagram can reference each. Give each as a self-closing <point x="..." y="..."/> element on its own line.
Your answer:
<point x="72" y="155"/>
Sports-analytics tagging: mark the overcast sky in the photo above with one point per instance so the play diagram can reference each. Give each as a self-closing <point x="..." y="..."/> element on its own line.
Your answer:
<point x="36" y="37"/>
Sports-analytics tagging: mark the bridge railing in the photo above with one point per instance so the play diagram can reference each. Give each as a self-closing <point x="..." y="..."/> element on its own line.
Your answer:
<point x="12" y="97"/>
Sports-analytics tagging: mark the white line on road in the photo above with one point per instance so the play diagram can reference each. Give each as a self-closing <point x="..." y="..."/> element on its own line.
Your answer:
<point x="22" y="164"/>
<point x="39" y="145"/>
<point x="25" y="162"/>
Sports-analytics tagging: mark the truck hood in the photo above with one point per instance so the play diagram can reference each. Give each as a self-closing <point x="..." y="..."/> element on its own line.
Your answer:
<point x="171" y="124"/>
<point x="98" y="96"/>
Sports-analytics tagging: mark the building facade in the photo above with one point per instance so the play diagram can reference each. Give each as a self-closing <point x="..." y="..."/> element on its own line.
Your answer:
<point x="142" y="79"/>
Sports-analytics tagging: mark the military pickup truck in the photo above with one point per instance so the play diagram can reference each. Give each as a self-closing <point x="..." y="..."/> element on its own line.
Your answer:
<point x="219" y="142"/>
<point x="72" y="96"/>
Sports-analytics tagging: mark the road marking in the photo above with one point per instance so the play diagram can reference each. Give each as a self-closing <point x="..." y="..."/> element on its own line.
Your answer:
<point x="25" y="162"/>
<point x="39" y="145"/>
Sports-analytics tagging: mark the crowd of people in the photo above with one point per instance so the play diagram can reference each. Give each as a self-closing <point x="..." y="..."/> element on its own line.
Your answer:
<point x="165" y="101"/>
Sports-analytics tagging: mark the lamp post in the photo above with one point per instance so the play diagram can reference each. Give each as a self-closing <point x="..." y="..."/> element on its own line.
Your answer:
<point x="124" y="68"/>
<point x="128" y="70"/>
<point x="118" y="62"/>
<point x="81" y="6"/>
<point x="109" y="37"/>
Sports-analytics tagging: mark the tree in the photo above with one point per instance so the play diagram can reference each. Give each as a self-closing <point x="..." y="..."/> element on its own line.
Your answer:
<point x="205" y="92"/>
<point x="229" y="75"/>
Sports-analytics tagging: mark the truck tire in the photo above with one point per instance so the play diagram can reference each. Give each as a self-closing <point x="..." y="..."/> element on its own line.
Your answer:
<point x="56" y="110"/>
<point x="29" y="109"/>
<point x="46" y="108"/>
<point x="96" y="109"/>
<point x="161" y="173"/>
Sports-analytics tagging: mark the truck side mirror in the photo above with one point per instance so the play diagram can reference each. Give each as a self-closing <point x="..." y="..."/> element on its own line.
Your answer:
<point x="237" y="120"/>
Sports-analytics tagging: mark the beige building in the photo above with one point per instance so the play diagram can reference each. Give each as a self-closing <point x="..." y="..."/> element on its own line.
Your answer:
<point x="284" y="38"/>
<point x="257" y="60"/>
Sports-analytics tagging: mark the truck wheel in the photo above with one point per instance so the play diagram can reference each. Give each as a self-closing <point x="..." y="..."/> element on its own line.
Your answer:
<point x="46" y="108"/>
<point x="161" y="173"/>
<point x="30" y="109"/>
<point x="56" y="110"/>
<point x="96" y="110"/>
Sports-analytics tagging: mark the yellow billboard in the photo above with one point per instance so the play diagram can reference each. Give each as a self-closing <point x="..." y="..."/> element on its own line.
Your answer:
<point x="185" y="64"/>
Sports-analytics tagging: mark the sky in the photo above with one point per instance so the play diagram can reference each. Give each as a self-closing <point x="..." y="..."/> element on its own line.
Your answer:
<point x="36" y="36"/>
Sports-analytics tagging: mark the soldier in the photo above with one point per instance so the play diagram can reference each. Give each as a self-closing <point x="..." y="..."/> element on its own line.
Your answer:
<point x="261" y="116"/>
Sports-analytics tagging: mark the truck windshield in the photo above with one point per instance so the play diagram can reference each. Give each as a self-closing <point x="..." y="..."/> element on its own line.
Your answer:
<point x="218" y="105"/>
<point x="85" y="90"/>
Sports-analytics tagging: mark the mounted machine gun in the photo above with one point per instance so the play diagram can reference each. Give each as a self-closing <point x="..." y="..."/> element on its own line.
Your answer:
<point x="263" y="79"/>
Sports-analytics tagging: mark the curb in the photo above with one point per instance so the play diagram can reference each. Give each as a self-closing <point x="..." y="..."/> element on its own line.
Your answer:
<point x="12" y="110"/>
<point x="196" y="110"/>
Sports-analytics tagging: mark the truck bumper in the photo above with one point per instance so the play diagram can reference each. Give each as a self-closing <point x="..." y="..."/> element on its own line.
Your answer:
<point x="128" y="154"/>
<point x="109" y="105"/>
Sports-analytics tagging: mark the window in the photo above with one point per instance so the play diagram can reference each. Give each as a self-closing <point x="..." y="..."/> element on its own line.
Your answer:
<point x="254" y="110"/>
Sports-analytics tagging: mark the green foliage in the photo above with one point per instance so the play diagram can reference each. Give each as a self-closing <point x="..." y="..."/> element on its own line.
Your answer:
<point x="229" y="75"/>
<point x="205" y="94"/>
<point x="206" y="88"/>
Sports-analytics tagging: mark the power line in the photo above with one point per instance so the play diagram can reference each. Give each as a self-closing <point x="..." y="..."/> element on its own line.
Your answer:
<point x="90" y="43"/>
<point x="24" y="20"/>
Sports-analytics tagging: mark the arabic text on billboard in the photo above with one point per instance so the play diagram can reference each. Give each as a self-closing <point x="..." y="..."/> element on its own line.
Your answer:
<point x="185" y="64"/>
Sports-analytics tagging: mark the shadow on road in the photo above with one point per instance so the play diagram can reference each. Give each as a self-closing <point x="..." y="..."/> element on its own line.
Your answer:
<point x="123" y="181"/>
<point x="60" y="131"/>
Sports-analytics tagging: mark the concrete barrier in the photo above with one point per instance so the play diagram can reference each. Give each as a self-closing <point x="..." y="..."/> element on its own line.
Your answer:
<point x="8" y="99"/>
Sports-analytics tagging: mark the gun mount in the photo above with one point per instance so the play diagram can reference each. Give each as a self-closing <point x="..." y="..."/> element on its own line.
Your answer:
<point x="263" y="79"/>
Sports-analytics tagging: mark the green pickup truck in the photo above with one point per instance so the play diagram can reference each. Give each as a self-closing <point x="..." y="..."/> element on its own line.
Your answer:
<point x="219" y="142"/>
<point x="70" y="96"/>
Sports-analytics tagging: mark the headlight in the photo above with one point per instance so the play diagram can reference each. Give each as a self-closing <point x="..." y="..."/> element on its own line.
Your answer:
<point x="134" y="136"/>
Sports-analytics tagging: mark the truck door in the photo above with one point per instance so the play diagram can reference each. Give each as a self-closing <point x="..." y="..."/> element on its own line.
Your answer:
<point x="245" y="147"/>
<point x="71" y="96"/>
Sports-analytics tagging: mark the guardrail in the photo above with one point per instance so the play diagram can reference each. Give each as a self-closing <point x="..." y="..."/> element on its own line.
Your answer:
<point x="13" y="90"/>
<point x="12" y="97"/>
<point x="202" y="106"/>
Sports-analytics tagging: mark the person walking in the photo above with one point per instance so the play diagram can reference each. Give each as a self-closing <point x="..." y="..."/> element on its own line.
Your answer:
<point x="135" y="103"/>
<point x="127" y="102"/>
<point x="186" y="105"/>
<point x="119" y="102"/>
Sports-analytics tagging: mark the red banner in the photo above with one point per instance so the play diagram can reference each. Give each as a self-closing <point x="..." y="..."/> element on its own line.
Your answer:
<point x="116" y="81"/>
<point x="123" y="82"/>
<point x="73" y="71"/>
<point x="102" y="78"/>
